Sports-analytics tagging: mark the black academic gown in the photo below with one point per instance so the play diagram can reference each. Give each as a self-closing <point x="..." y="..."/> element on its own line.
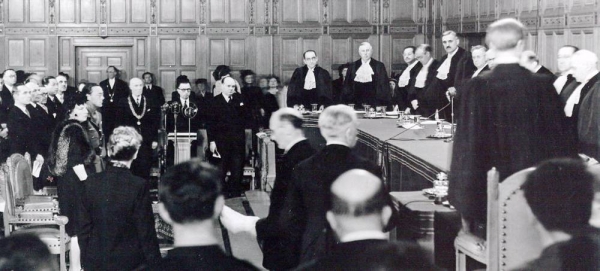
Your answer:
<point x="306" y="201"/>
<point x="321" y="95"/>
<point x="572" y="121"/>
<point x="510" y="119"/>
<point x="378" y="94"/>
<point x="408" y="90"/>
<point x="112" y="96"/>
<point x="6" y="103"/>
<point x="281" y="251"/>
<point x="147" y="126"/>
<point x="427" y="95"/>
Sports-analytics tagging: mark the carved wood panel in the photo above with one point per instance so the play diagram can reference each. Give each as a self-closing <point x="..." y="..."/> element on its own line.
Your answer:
<point x="138" y="11"/>
<point x="67" y="11"/>
<point x="88" y="11"/>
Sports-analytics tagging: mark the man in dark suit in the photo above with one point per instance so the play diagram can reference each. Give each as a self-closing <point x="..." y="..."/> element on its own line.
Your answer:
<point x="42" y="120"/>
<point x="305" y="203"/>
<point x="337" y="85"/>
<point x="70" y="91"/>
<point x="114" y="90"/>
<point x="185" y="97"/>
<point x="508" y="118"/>
<point x="357" y="213"/>
<point x="406" y="81"/>
<point x="191" y="201"/>
<point x="367" y="80"/>
<point x="140" y="112"/>
<point x="226" y="134"/>
<point x="55" y="107"/>
<point x="530" y="61"/>
<point x="310" y="84"/>
<point x="280" y="250"/>
<point x="420" y="102"/>
<point x="21" y="125"/>
<point x="153" y="92"/>
<point x="9" y="79"/>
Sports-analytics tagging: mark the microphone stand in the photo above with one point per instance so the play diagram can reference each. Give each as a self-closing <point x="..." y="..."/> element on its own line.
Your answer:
<point x="448" y="140"/>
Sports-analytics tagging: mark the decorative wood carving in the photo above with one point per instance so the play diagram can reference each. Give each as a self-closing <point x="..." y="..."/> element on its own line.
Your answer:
<point x="178" y="30"/>
<point x="51" y="8"/>
<point x="350" y="30"/>
<point x="76" y="31"/>
<point x="129" y="31"/>
<point x="103" y="11"/>
<point x="153" y="11"/>
<point x="325" y="13"/>
<point x="553" y="22"/>
<point x="202" y="11"/>
<point x="386" y="11"/>
<point x="275" y="11"/>
<point x="227" y="30"/>
<point x="1" y="11"/>
<point x="375" y="8"/>
<point x="581" y="20"/>
<point x="300" y="30"/>
<point x="26" y="30"/>
<point x="267" y="11"/>
<point x="251" y="19"/>
<point x="403" y="29"/>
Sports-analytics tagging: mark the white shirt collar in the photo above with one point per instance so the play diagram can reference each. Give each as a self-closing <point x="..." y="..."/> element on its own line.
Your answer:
<point x="506" y="60"/>
<point x="537" y="68"/>
<point x="289" y="146"/>
<point x="23" y="108"/>
<point x="337" y="142"/>
<point x="183" y="100"/>
<point x="363" y="235"/>
<point x="363" y="62"/>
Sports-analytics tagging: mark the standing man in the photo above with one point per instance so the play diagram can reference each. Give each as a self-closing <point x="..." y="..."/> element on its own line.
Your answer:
<point x="446" y="73"/>
<point x="151" y="91"/>
<point x="55" y="107"/>
<point x="114" y="90"/>
<point x="479" y="59"/>
<point x="305" y="204"/>
<point x="419" y="102"/>
<point x="139" y="112"/>
<point x="42" y="120"/>
<point x="508" y="118"/>
<point x="367" y="80"/>
<point x="530" y="61"/>
<point x="406" y="81"/>
<point x="310" y="84"/>
<point x="95" y="99"/>
<point x="21" y="125"/>
<point x="226" y="135"/>
<point x="9" y="78"/>
<point x="565" y="74"/>
<point x="281" y="251"/>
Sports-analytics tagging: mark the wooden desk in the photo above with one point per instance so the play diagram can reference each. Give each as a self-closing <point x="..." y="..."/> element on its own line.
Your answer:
<point x="416" y="214"/>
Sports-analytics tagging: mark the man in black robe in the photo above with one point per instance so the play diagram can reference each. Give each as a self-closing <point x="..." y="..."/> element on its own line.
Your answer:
<point x="310" y="84"/>
<point x="366" y="80"/>
<point x="585" y="102"/>
<point x="508" y="118"/>
<point x="406" y="80"/>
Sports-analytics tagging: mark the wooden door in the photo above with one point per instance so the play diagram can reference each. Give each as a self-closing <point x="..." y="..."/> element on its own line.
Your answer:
<point x="92" y="62"/>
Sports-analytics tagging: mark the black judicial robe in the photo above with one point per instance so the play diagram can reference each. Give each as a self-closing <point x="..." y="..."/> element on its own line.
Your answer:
<point x="321" y="95"/>
<point x="380" y="95"/>
<point x="427" y="95"/>
<point x="306" y="201"/>
<point x="574" y="119"/>
<point x="508" y="118"/>
<point x="589" y="122"/>
<point x="6" y="103"/>
<point x="280" y="250"/>
<point x="407" y="92"/>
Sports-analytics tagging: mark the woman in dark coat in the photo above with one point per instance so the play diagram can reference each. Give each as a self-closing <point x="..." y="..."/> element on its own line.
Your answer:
<point x="70" y="150"/>
<point x="117" y="224"/>
<point x="269" y="100"/>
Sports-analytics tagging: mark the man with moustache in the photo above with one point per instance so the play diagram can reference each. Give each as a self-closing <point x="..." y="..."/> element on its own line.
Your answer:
<point x="310" y="84"/>
<point x="406" y="81"/>
<point x="226" y="135"/>
<point x="114" y="90"/>
<point x="139" y="112"/>
<point x="367" y="80"/>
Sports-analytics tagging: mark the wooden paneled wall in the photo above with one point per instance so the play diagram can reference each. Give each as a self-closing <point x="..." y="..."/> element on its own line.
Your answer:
<point x="193" y="37"/>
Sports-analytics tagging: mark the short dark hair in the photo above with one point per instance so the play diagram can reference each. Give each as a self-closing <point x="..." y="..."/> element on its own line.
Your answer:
<point x="16" y="88"/>
<point x="272" y="76"/>
<point x="307" y="51"/>
<point x="149" y="73"/>
<point x="426" y="48"/>
<point x="77" y="99"/>
<point x="25" y="252"/>
<point x="221" y="71"/>
<point x="369" y="206"/>
<point x="341" y="68"/>
<point x="115" y="68"/>
<point x="182" y="79"/>
<point x="414" y="49"/>
<point x="67" y="75"/>
<point x="560" y="193"/>
<point x="87" y="89"/>
<point x="46" y="80"/>
<point x="189" y="191"/>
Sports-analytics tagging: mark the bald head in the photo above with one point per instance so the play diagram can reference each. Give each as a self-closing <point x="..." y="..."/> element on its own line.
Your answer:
<point x="338" y="123"/>
<point x="357" y="192"/>
<point x="583" y="64"/>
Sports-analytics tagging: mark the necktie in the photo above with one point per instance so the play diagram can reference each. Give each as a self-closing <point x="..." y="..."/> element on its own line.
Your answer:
<point x="185" y="104"/>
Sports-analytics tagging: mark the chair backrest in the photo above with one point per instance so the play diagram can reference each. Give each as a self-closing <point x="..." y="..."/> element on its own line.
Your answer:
<point x="20" y="181"/>
<point x="512" y="237"/>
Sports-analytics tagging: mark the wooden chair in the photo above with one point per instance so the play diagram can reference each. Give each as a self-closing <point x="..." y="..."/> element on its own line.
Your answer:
<point x="512" y="239"/>
<point x="28" y="213"/>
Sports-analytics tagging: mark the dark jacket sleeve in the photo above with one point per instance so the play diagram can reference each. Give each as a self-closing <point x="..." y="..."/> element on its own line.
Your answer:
<point x="324" y="85"/>
<point x="383" y="84"/>
<point x="296" y="84"/>
<point x="144" y="220"/>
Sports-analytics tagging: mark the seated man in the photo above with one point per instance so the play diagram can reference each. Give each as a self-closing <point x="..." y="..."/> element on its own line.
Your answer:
<point x="358" y="213"/>
<point x="191" y="201"/>
<point x="560" y="194"/>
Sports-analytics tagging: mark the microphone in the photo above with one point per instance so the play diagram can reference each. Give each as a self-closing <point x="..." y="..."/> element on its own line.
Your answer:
<point x="175" y="108"/>
<point x="190" y="111"/>
<point x="165" y="107"/>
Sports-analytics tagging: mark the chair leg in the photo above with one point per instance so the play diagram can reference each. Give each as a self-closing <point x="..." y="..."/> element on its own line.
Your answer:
<point x="461" y="261"/>
<point x="63" y="249"/>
